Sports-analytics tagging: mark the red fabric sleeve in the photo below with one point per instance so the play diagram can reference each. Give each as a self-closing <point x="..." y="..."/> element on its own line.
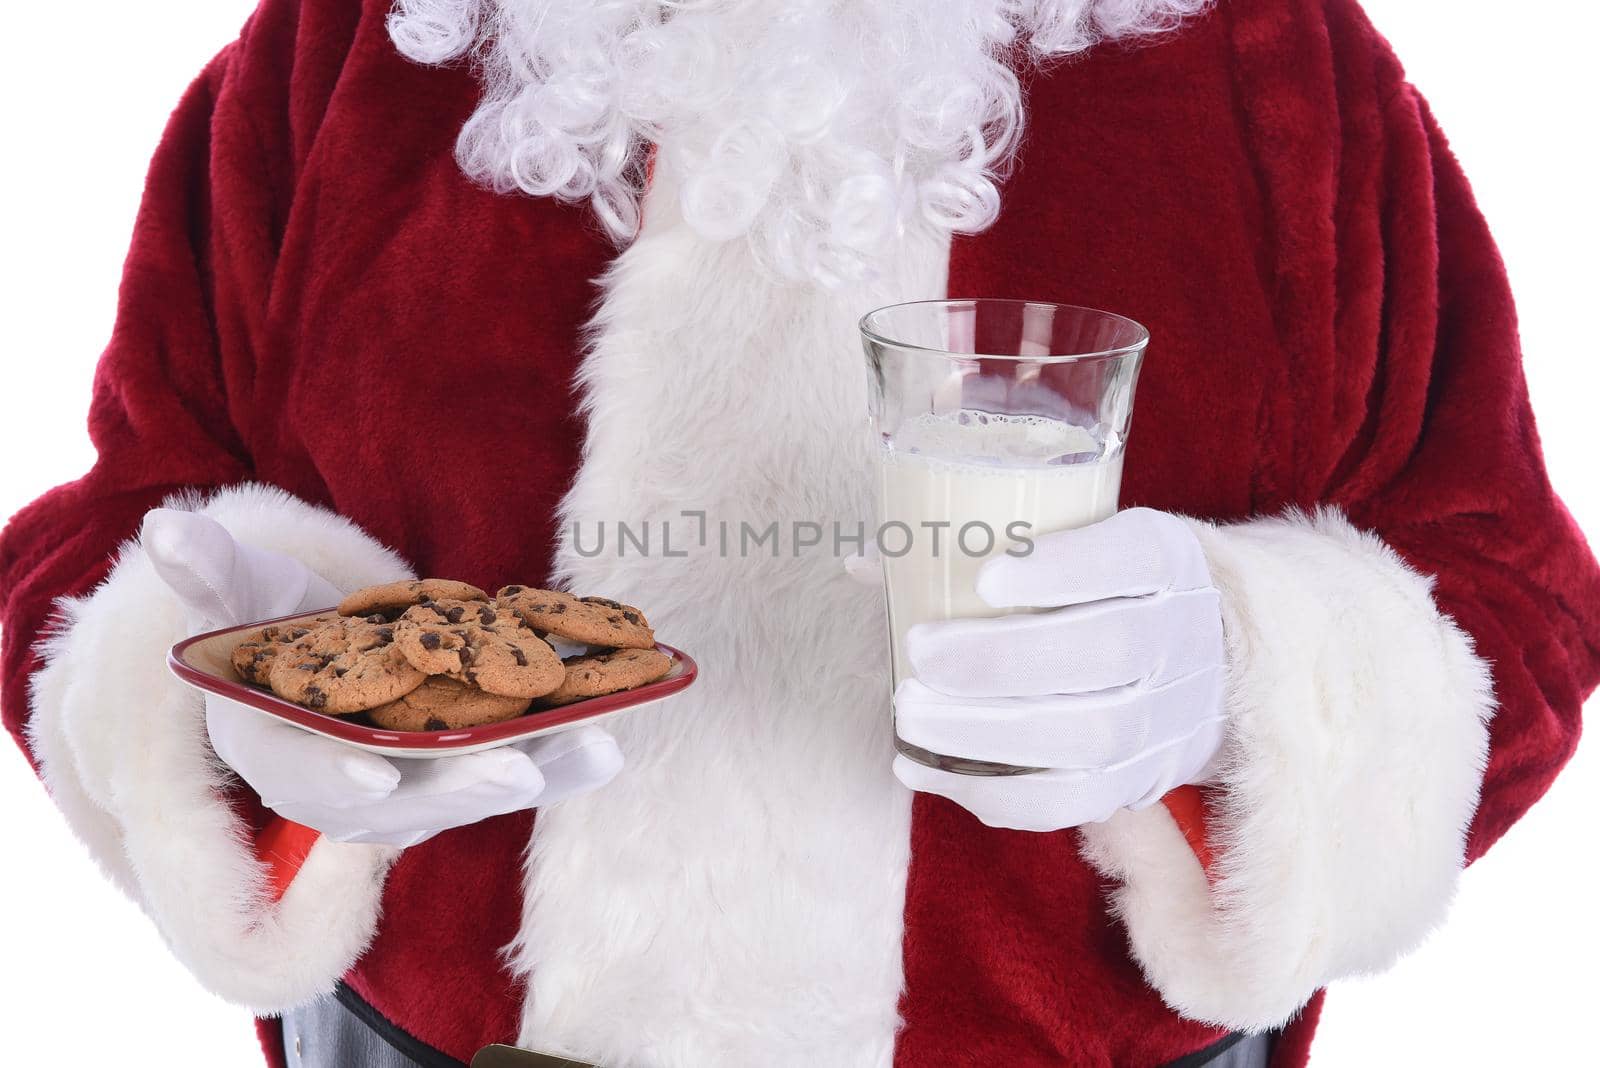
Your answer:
<point x="1447" y="467"/>
<point x="188" y="327"/>
<point x="158" y="417"/>
<point x="1410" y="408"/>
<point x="1188" y="808"/>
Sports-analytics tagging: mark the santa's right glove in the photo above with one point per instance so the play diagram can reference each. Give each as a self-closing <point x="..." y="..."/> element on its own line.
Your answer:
<point x="348" y="794"/>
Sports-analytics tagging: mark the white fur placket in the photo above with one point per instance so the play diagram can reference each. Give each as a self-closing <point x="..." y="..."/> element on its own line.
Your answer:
<point x="736" y="896"/>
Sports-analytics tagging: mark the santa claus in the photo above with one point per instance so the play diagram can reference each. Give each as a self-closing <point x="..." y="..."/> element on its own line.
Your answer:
<point x="419" y="286"/>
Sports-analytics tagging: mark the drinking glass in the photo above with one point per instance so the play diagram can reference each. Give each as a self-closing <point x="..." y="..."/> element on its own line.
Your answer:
<point x="995" y="421"/>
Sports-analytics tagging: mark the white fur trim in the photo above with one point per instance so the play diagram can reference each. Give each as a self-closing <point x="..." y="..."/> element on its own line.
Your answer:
<point x="1358" y="738"/>
<point x="122" y="748"/>
<point x="736" y="896"/>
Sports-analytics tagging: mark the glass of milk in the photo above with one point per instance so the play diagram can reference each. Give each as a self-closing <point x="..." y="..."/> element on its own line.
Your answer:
<point x="994" y="421"/>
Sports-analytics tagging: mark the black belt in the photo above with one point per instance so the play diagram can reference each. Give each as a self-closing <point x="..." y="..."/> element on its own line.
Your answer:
<point x="347" y="1032"/>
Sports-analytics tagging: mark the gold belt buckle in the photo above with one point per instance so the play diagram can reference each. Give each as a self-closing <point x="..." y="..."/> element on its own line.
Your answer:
<point x="511" y="1057"/>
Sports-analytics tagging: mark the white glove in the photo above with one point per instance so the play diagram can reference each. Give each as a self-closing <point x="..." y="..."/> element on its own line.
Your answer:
<point x="1117" y="693"/>
<point x="348" y="794"/>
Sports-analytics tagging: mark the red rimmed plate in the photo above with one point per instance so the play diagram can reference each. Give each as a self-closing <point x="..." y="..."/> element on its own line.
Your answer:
<point x="205" y="662"/>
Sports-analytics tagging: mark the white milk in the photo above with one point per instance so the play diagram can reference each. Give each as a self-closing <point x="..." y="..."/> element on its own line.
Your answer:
<point x="968" y="467"/>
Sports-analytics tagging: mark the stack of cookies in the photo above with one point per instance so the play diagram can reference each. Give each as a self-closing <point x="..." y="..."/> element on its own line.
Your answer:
<point x="433" y="654"/>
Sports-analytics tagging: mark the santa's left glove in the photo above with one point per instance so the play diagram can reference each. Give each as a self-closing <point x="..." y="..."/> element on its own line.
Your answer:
<point x="1113" y="688"/>
<point x="347" y="794"/>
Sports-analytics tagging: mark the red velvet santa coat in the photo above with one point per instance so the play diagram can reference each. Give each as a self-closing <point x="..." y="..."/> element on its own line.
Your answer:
<point x="317" y="300"/>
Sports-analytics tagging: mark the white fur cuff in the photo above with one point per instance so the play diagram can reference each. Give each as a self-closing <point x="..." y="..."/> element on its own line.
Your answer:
<point x="122" y="748"/>
<point x="1357" y="741"/>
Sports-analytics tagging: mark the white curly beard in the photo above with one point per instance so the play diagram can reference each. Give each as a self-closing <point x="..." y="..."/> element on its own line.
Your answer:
<point x="820" y="131"/>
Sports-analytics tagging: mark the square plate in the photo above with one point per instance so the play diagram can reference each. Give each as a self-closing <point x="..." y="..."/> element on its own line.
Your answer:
<point x="205" y="662"/>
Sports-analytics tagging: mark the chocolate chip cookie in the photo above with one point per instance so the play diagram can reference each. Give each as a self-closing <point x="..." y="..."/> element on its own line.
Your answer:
<point x="589" y="620"/>
<point x="342" y="666"/>
<point x="478" y="643"/>
<point x="598" y="674"/>
<point x="395" y="597"/>
<point x="253" y="657"/>
<point x="441" y="704"/>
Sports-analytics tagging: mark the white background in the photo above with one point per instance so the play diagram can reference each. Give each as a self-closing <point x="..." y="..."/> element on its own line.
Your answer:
<point x="87" y="87"/>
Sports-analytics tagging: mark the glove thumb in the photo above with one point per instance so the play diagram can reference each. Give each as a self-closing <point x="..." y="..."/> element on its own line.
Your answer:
<point x="865" y="567"/>
<point x="223" y="582"/>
